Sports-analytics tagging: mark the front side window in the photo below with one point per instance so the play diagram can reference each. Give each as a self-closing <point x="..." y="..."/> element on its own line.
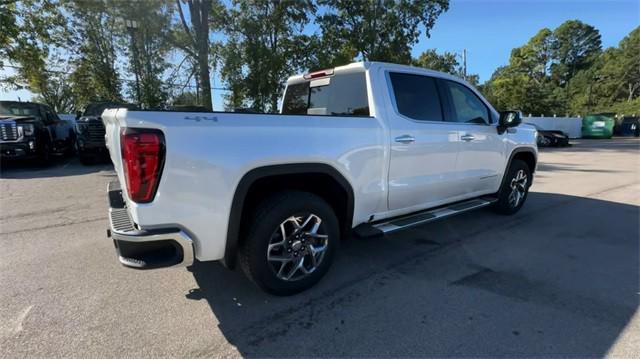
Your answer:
<point x="467" y="107"/>
<point x="339" y="95"/>
<point x="416" y="96"/>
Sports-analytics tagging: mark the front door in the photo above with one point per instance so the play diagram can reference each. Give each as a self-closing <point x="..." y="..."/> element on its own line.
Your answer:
<point x="482" y="150"/>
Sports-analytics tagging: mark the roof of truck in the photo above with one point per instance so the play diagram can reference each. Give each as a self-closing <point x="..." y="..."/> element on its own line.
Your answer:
<point x="365" y="65"/>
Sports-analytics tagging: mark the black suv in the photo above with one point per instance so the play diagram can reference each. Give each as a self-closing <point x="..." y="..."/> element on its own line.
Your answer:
<point x="31" y="130"/>
<point x="90" y="131"/>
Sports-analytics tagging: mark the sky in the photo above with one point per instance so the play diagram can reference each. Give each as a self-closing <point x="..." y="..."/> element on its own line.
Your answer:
<point x="489" y="29"/>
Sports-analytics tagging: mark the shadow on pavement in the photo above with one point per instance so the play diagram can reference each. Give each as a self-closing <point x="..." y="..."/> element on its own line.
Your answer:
<point x="559" y="278"/>
<point x="58" y="167"/>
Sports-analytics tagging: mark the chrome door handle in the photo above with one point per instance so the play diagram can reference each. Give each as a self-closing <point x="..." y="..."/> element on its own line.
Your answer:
<point x="406" y="139"/>
<point x="467" y="138"/>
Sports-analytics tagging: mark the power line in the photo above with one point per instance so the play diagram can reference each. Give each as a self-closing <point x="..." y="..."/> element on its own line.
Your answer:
<point x="122" y="79"/>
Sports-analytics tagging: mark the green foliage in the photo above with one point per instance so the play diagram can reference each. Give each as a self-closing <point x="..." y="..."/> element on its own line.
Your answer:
<point x="430" y="59"/>
<point x="555" y="72"/>
<point x="264" y="46"/>
<point x="575" y="46"/>
<point x="31" y="37"/>
<point x="186" y="99"/>
<point x="146" y="35"/>
<point x="378" y="30"/>
<point x="447" y="62"/>
<point x="192" y="37"/>
<point x="95" y="75"/>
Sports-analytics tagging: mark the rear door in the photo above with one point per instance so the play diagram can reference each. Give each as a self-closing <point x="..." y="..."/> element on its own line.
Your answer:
<point x="424" y="148"/>
<point x="481" y="159"/>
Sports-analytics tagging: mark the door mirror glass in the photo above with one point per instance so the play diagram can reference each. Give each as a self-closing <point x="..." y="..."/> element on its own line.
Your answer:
<point x="509" y="119"/>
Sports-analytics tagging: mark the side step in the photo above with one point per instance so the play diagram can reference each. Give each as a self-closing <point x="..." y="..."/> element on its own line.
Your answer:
<point x="414" y="219"/>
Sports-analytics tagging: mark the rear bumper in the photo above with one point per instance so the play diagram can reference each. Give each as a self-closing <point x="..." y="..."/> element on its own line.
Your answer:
<point x="145" y="249"/>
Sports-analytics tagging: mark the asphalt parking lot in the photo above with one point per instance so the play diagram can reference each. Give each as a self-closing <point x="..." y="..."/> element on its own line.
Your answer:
<point x="560" y="278"/>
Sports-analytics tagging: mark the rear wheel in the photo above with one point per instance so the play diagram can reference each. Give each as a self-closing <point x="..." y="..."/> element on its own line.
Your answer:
<point x="290" y="243"/>
<point x="515" y="188"/>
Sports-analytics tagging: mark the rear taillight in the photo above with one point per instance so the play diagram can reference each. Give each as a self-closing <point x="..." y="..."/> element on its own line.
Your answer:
<point x="142" y="159"/>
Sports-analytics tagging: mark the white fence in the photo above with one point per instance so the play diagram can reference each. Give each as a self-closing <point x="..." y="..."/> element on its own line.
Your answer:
<point x="572" y="126"/>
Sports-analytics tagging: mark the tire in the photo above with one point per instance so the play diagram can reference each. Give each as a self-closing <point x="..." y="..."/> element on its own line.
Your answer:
<point x="514" y="184"/>
<point x="284" y="212"/>
<point x="45" y="155"/>
<point x="72" y="149"/>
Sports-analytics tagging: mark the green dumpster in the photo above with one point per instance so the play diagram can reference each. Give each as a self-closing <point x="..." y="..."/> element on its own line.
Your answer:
<point x="598" y="125"/>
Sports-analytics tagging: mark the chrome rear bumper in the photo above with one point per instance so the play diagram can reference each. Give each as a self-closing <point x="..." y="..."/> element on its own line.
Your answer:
<point x="145" y="249"/>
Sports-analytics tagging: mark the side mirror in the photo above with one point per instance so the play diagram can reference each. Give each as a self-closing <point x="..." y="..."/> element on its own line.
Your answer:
<point x="509" y="119"/>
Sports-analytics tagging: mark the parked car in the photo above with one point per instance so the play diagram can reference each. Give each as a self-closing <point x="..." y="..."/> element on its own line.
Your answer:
<point x="550" y="138"/>
<point x="630" y="126"/>
<point x="30" y="130"/>
<point x="369" y="148"/>
<point x="90" y="131"/>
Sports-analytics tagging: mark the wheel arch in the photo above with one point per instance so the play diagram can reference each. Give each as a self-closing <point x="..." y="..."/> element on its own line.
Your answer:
<point x="261" y="181"/>
<point x="526" y="154"/>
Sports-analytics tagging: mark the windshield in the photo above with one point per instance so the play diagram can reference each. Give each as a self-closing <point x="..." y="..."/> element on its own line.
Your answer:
<point x="19" y="109"/>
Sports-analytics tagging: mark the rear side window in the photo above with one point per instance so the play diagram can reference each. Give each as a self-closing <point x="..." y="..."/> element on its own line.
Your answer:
<point x="416" y="96"/>
<point x="467" y="106"/>
<point x="339" y="95"/>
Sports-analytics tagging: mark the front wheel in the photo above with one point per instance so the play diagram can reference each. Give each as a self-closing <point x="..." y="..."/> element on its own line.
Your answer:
<point x="290" y="243"/>
<point x="515" y="188"/>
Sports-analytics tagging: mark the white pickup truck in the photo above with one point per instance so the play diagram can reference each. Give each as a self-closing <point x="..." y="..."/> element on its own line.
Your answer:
<point x="365" y="149"/>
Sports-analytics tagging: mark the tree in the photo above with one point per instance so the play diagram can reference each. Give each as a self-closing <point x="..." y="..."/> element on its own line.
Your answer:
<point x="575" y="46"/>
<point x="32" y="35"/>
<point x="265" y="44"/>
<point x="95" y="41"/>
<point x="144" y="30"/>
<point x="430" y="59"/>
<point x="447" y="62"/>
<point x="379" y="30"/>
<point x="194" y="40"/>
<point x="620" y="73"/>
<point x="552" y="73"/>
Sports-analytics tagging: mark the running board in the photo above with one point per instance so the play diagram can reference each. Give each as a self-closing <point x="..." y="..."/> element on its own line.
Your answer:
<point x="414" y="219"/>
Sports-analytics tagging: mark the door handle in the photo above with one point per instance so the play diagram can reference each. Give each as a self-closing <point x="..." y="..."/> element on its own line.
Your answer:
<point x="406" y="139"/>
<point x="467" y="138"/>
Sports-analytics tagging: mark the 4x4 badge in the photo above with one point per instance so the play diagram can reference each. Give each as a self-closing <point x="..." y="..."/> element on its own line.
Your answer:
<point x="201" y="118"/>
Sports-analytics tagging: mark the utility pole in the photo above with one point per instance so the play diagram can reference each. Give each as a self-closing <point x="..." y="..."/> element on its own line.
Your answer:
<point x="464" y="64"/>
<point x="132" y="26"/>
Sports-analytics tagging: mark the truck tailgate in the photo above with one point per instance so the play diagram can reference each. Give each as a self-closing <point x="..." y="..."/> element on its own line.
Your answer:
<point x="112" y="123"/>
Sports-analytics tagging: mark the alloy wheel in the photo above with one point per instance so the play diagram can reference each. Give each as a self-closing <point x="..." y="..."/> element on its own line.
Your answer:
<point x="518" y="188"/>
<point x="297" y="247"/>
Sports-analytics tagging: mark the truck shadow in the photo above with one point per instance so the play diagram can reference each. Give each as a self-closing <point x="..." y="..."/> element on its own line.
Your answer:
<point x="559" y="278"/>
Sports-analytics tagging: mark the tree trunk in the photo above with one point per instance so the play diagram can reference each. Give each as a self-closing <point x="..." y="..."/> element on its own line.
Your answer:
<point x="199" y="10"/>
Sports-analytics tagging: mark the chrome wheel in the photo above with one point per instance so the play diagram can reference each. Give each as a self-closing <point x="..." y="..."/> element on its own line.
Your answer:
<point x="297" y="247"/>
<point x="518" y="188"/>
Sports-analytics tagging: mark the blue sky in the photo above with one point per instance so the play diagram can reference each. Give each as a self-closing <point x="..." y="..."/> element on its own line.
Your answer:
<point x="489" y="29"/>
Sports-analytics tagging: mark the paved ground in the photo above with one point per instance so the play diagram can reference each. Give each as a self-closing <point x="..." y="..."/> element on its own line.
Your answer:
<point x="558" y="279"/>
